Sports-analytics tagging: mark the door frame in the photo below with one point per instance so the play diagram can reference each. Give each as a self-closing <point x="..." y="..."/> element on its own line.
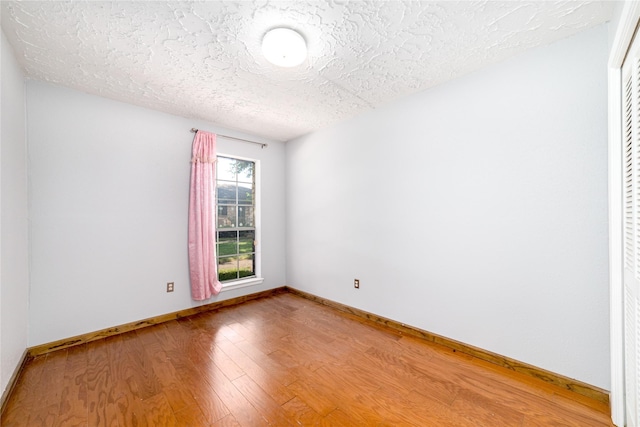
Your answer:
<point x="622" y="40"/>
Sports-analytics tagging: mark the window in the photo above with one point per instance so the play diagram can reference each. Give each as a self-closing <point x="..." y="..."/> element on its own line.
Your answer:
<point x="236" y="218"/>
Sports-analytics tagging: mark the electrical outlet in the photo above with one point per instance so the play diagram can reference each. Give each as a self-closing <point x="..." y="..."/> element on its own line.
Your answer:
<point x="169" y="286"/>
<point x="356" y="283"/>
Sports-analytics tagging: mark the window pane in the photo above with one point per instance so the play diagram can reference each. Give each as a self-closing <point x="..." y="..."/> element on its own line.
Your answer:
<point x="247" y="239"/>
<point x="226" y="169"/>
<point x="226" y="216"/>
<point x="245" y="194"/>
<point x="235" y="197"/>
<point x="247" y="265"/>
<point x="227" y="268"/>
<point x="227" y="243"/>
<point x="245" y="216"/>
<point x="226" y="193"/>
<point x="244" y="170"/>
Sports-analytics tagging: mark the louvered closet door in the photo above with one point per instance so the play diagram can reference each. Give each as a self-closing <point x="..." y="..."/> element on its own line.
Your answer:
<point x="631" y="182"/>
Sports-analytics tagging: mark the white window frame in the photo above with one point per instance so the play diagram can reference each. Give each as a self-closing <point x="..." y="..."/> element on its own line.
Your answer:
<point x="258" y="279"/>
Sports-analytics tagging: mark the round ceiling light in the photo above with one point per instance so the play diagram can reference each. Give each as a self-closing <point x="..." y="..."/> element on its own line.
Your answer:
<point x="284" y="47"/>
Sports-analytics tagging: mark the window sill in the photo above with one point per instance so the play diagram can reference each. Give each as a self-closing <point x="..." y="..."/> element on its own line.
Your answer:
<point x="237" y="284"/>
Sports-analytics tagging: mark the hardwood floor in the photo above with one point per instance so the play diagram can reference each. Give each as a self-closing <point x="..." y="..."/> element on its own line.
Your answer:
<point x="282" y="361"/>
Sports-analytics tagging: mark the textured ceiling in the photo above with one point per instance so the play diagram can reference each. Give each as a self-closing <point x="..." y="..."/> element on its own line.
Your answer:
<point x="203" y="60"/>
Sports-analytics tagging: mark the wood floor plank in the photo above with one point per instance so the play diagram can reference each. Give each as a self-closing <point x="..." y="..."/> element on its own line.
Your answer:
<point x="280" y="373"/>
<point x="210" y="404"/>
<point x="158" y="412"/>
<point x="352" y="396"/>
<point x="243" y="331"/>
<point x="146" y="336"/>
<point x="228" y="421"/>
<point x="287" y="361"/>
<point x="340" y="418"/>
<point x="26" y="386"/>
<point x="15" y="414"/>
<point x="74" y="399"/>
<point x="242" y="410"/>
<point x="225" y="363"/>
<point x="137" y="415"/>
<point x="161" y="365"/>
<point x="416" y="409"/>
<point x="51" y="386"/>
<point x="554" y="420"/>
<point x="139" y="373"/>
<point x="392" y="367"/>
<point x="262" y="401"/>
<point x="304" y="353"/>
<point x="164" y="337"/>
<point x="126" y="405"/>
<point x="200" y="390"/>
<point x="320" y="400"/>
<point x="344" y="380"/>
<point x="180" y="397"/>
<point x="263" y="378"/>
<point x="101" y="403"/>
<point x="173" y="337"/>
<point x="483" y="411"/>
<point x="191" y="416"/>
<point x="44" y="417"/>
<point x="300" y="413"/>
<point x="533" y="401"/>
<point x="518" y="380"/>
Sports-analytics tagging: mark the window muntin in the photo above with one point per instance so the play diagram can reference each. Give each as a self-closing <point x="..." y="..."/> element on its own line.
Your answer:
<point x="235" y="218"/>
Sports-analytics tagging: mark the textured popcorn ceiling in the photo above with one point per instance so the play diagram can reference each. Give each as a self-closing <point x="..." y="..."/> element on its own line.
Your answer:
<point x="203" y="60"/>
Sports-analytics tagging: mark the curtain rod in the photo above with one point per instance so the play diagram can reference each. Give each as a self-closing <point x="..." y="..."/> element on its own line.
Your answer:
<point x="261" y="144"/>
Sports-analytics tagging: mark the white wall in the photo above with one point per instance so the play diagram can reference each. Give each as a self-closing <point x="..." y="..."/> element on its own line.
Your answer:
<point x="476" y="210"/>
<point x="109" y="197"/>
<point x="614" y="22"/>
<point x="14" y="258"/>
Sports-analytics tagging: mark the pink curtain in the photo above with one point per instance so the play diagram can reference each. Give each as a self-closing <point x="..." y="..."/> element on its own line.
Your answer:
<point x="202" y="240"/>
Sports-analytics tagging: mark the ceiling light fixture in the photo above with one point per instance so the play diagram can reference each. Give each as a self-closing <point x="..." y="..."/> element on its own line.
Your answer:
<point x="284" y="47"/>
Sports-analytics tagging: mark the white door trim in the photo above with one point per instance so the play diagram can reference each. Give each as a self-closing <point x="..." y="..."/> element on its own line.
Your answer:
<point x="622" y="40"/>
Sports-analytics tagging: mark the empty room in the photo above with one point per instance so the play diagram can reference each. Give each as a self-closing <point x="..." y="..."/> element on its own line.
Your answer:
<point x="330" y="212"/>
